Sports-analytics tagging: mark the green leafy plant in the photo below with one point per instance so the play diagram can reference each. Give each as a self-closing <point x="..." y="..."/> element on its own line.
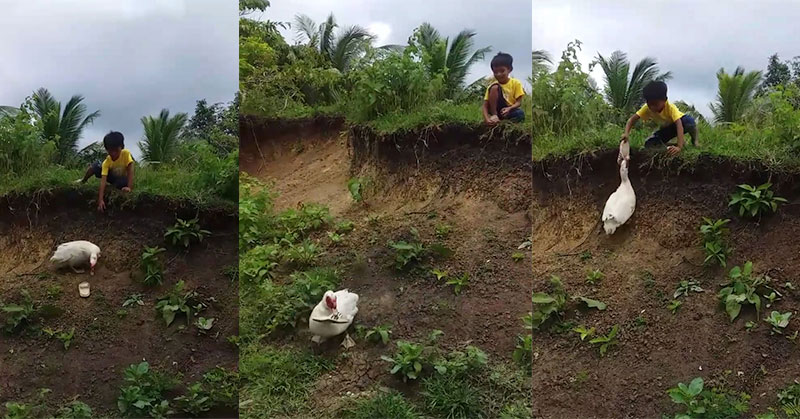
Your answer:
<point x="384" y="405"/>
<point x="334" y="237"/>
<point x="177" y="301"/>
<point x="461" y="363"/>
<point x="184" y="232"/>
<point x="143" y="391"/>
<point x="583" y="332"/>
<point x="203" y="324"/>
<point x="700" y="402"/>
<point x="594" y="276"/>
<point x="407" y="253"/>
<point x="713" y="234"/>
<point x="260" y="262"/>
<point x="789" y="400"/>
<point x="407" y="360"/>
<point x="523" y="351"/>
<point x="443" y="230"/>
<point x="379" y="334"/>
<point x="585" y="255"/>
<point x="546" y="306"/>
<point x="133" y="299"/>
<point x="716" y="251"/>
<point x="517" y="256"/>
<point x="755" y="201"/>
<point x="19" y="315"/>
<point x="16" y="410"/>
<point x="741" y="289"/>
<point x="195" y="401"/>
<point x="591" y="303"/>
<point x="74" y="410"/>
<point x="448" y="395"/>
<point x="222" y="386"/>
<point x="772" y="297"/>
<point x="302" y="254"/>
<point x="344" y="227"/>
<point x="778" y="321"/>
<point x="459" y="282"/>
<point x="685" y="287"/>
<point x="674" y="305"/>
<point x="439" y="274"/>
<point x="606" y="341"/>
<point x="713" y="230"/>
<point x="151" y="266"/>
<point x="354" y="185"/>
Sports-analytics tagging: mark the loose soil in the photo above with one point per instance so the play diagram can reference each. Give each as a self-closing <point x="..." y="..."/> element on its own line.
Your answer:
<point x="107" y="337"/>
<point x="447" y="175"/>
<point x="643" y="263"/>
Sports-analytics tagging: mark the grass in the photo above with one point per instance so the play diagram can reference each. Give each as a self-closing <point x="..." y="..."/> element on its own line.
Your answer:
<point x="738" y="143"/>
<point x="279" y="381"/>
<point x="173" y="183"/>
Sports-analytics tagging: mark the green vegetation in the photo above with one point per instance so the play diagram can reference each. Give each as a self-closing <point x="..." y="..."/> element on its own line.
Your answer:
<point x="143" y="392"/>
<point x="178" y="301"/>
<point x="151" y="267"/>
<point x="697" y="401"/>
<point x="742" y="289"/>
<point x="379" y="334"/>
<point x="185" y="232"/>
<point x="755" y="201"/>
<point x="547" y="305"/>
<point x="607" y="341"/>
<point x="778" y="321"/>
<point x="38" y="151"/>
<point x="19" y="315"/>
<point x="594" y="276"/>
<point x="384" y="405"/>
<point x="459" y="282"/>
<point x="754" y="121"/>
<point x="713" y="234"/>
<point x="337" y="70"/>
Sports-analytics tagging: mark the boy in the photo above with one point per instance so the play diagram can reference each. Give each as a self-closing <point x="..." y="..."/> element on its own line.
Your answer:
<point x="116" y="169"/>
<point x="673" y="122"/>
<point x="503" y="97"/>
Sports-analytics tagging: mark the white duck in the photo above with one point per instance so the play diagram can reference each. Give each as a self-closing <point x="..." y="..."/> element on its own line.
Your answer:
<point x="74" y="254"/>
<point x="333" y="315"/>
<point x="621" y="203"/>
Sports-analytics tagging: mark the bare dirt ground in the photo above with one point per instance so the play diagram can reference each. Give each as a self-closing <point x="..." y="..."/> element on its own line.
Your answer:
<point x="107" y="337"/>
<point x="480" y="190"/>
<point x="643" y="263"/>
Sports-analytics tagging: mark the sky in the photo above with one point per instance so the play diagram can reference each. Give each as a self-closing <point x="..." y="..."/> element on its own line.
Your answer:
<point x="128" y="58"/>
<point x="393" y="21"/>
<point x="692" y="39"/>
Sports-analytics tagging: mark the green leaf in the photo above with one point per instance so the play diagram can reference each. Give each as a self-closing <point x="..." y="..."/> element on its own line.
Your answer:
<point x="542" y="298"/>
<point x="696" y="386"/>
<point x="594" y="303"/>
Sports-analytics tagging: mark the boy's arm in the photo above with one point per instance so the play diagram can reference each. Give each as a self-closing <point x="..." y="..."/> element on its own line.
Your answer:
<point x="675" y="149"/>
<point x="486" y="115"/>
<point x="130" y="177"/>
<point x="628" y="126"/>
<point x="516" y="104"/>
<point x="101" y="204"/>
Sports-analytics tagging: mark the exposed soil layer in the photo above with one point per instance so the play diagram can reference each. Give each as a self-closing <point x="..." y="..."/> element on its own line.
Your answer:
<point x="107" y="337"/>
<point x="643" y="263"/>
<point x="479" y="187"/>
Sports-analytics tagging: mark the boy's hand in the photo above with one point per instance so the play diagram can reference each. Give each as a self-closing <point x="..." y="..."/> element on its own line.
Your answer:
<point x="505" y="111"/>
<point x="101" y="205"/>
<point x="624" y="137"/>
<point x="673" y="150"/>
<point x="126" y="189"/>
<point x="493" y="120"/>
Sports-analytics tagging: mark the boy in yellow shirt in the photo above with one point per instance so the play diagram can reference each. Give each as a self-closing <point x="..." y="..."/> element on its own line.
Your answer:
<point x="503" y="97"/>
<point x="116" y="169"/>
<point x="673" y="122"/>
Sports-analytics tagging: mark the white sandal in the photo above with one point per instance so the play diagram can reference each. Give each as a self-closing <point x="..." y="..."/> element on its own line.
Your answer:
<point x="83" y="289"/>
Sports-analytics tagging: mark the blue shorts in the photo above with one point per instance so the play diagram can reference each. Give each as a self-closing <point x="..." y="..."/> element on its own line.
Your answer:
<point x="118" y="181"/>
<point x="663" y="135"/>
<point x="516" y="115"/>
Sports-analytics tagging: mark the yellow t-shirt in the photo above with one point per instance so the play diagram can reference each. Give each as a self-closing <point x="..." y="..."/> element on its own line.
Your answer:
<point x="512" y="90"/>
<point x="667" y="116"/>
<point x="119" y="166"/>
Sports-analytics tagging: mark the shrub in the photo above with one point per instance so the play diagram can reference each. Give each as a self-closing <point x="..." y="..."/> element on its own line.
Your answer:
<point x="741" y="289"/>
<point x="755" y="201"/>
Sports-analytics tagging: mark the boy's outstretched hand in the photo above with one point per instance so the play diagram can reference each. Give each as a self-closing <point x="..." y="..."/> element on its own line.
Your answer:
<point x="623" y="137"/>
<point x="101" y="205"/>
<point x="126" y="189"/>
<point x="493" y="120"/>
<point x="673" y="150"/>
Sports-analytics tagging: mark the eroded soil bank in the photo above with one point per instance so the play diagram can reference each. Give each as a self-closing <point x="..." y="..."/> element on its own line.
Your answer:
<point x="643" y="262"/>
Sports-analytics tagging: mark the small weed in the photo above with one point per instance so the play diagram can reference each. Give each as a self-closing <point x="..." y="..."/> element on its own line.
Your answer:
<point x="16" y="410"/>
<point x="685" y="287"/>
<point x="407" y="360"/>
<point x="387" y="405"/>
<point x="443" y="230"/>
<point x="379" y="334"/>
<point x="606" y="341"/>
<point x="547" y="305"/>
<point x="741" y="289"/>
<point x="195" y="401"/>
<point x="789" y="400"/>
<point x="334" y="237"/>
<point x="133" y="299"/>
<point x="749" y="325"/>
<point x="143" y="392"/>
<point x="716" y="251"/>
<point x="203" y="324"/>
<point x="177" y="301"/>
<point x="122" y="313"/>
<point x="674" y="305"/>
<point x="451" y="396"/>
<point x="344" y="227"/>
<point x="648" y="279"/>
<point x="778" y="321"/>
<point x="704" y="403"/>
<point x="74" y="410"/>
<point x="594" y="276"/>
<point x="772" y="297"/>
<point x="54" y="291"/>
<point x="469" y="362"/>
<point x="523" y="351"/>
<point x="517" y="256"/>
<point x="439" y="274"/>
<point x="755" y="201"/>
<point x="583" y="331"/>
<point x="793" y="337"/>
<point x="184" y="232"/>
<point x="459" y="282"/>
<point x="585" y="255"/>
<point x="713" y="235"/>
<point x="640" y="322"/>
<point x="302" y="254"/>
<point x="592" y="303"/>
<point x="151" y="266"/>
<point x="407" y="253"/>
<point x="19" y="315"/>
<point x="355" y="186"/>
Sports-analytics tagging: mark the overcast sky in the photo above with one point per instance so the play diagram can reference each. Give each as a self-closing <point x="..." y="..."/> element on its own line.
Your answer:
<point x="693" y="39"/>
<point x="128" y="58"/>
<point x="393" y="21"/>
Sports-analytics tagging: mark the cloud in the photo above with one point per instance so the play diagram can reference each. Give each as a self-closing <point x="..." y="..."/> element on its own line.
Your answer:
<point x="505" y="27"/>
<point x="693" y="39"/>
<point x="128" y="58"/>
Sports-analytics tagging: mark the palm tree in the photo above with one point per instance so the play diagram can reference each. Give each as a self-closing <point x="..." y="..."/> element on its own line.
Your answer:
<point x="734" y="95"/>
<point x="8" y="111"/>
<point x="624" y="92"/>
<point x="541" y="61"/>
<point x="690" y="109"/>
<point x="161" y="136"/>
<point x="453" y="62"/>
<point x="340" y="49"/>
<point x="62" y="128"/>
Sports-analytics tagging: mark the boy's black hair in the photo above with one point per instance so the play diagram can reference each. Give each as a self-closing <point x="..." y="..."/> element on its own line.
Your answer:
<point x="502" y="59"/>
<point x="655" y="90"/>
<point x="114" y="139"/>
